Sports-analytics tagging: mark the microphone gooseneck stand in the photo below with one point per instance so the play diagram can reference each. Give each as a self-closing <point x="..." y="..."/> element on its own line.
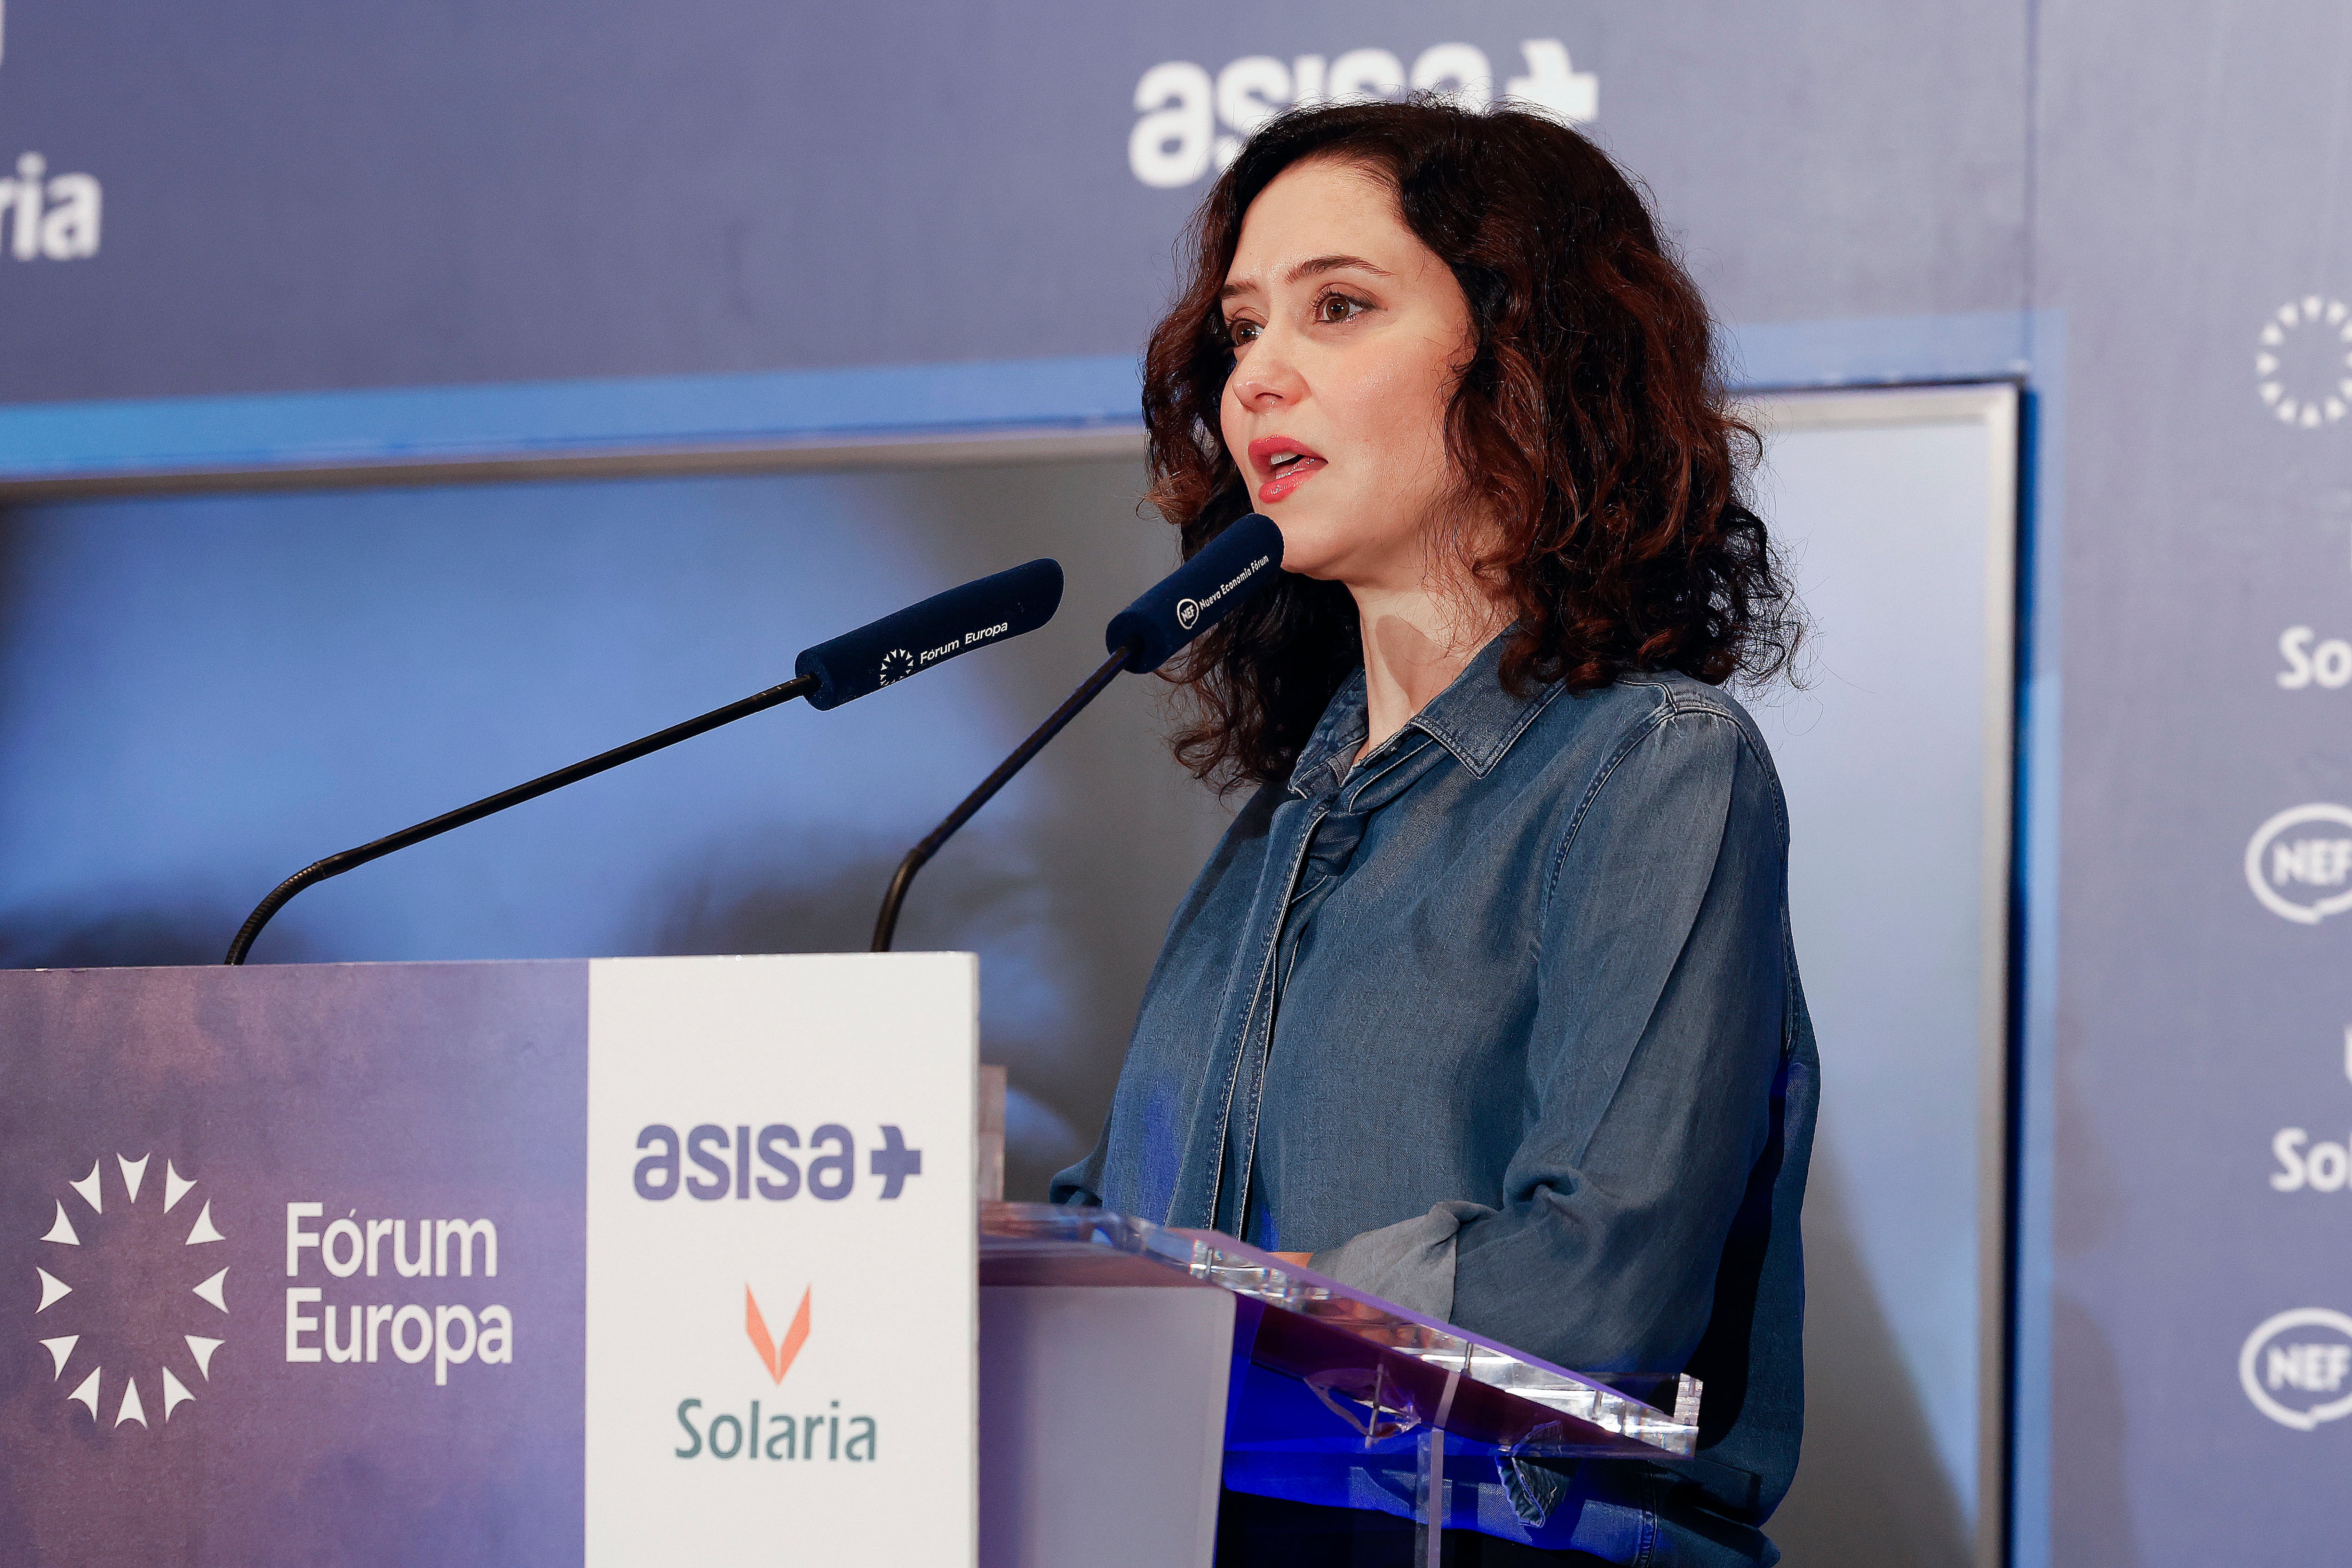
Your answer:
<point x="1240" y="562"/>
<point x="336" y="864"/>
<point x="977" y="614"/>
<point x="885" y="925"/>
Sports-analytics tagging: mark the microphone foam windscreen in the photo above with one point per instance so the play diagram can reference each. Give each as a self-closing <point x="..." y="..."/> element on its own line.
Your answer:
<point x="989" y="610"/>
<point x="1198" y="594"/>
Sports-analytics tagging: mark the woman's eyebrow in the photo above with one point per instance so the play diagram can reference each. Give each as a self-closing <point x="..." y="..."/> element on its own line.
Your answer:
<point x="1312" y="267"/>
<point x="1323" y="264"/>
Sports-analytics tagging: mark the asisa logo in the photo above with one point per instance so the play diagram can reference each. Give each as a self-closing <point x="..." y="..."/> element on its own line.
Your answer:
<point x="723" y="1162"/>
<point x="122" y="1293"/>
<point x="1176" y="141"/>
<point x="779" y="1435"/>
<point x="2297" y="1368"/>
<point x="2299" y="863"/>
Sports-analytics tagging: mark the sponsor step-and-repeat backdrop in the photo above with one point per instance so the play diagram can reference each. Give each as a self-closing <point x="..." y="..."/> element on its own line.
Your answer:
<point x="649" y="1261"/>
<point x="442" y="194"/>
<point x="2199" y="1366"/>
<point x="2296" y="1366"/>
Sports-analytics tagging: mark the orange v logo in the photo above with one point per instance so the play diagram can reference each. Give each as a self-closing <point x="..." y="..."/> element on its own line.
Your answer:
<point x="776" y="1358"/>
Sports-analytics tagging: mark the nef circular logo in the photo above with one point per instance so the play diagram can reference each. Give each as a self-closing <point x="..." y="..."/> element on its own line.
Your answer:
<point x="2300" y="367"/>
<point x="2299" y="863"/>
<point x="1188" y="611"/>
<point x="121" y="1292"/>
<point x="896" y="665"/>
<point x="2297" y="1368"/>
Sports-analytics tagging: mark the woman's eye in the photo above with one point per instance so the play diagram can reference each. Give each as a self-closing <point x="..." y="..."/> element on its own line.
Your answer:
<point x="1240" y="332"/>
<point x="1337" y="308"/>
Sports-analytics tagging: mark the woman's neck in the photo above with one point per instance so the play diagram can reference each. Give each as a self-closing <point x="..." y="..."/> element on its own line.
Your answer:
<point x="1415" y="642"/>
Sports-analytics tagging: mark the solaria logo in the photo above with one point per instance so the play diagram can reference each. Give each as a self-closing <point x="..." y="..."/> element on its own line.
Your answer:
<point x="122" y="1292"/>
<point x="2307" y="1166"/>
<point x="2294" y="1367"/>
<point x="777" y="1355"/>
<point x="777" y="1435"/>
<point x="2299" y="863"/>
<point x="2311" y="662"/>
<point x="49" y="217"/>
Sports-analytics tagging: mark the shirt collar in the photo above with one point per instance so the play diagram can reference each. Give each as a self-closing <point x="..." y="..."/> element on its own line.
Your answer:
<point x="1337" y="736"/>
<point x="1476" y="718"/>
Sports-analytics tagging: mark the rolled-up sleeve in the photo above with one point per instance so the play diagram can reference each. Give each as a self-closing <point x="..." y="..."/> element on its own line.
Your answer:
<point x="1661" y="988"/>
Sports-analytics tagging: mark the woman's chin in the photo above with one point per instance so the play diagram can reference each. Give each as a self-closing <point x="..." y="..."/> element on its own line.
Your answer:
<point x="1329" y="553"/>
<point x="1312" y="546"/>
<point x="1301" y="563"/>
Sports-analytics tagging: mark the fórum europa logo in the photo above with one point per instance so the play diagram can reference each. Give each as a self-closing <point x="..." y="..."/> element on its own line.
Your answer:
<point x="775" y="1354"/>
<point x="2299" y="863"/>
<point x="900" y="662"/>
<point x="120" y="1300"/>
<point x="2300" y="367"/>
<point x="2294" y="1367"/>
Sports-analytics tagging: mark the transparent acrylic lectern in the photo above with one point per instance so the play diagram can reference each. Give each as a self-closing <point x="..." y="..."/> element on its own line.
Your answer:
<point x="1331" y="1396"/>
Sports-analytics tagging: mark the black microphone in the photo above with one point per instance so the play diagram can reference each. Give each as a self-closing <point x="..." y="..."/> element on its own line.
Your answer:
<point x="920" y="637"/>
<point x="923" y="636"/>
<point x="1237" y="563"/>
<point x="1197" y="595"/>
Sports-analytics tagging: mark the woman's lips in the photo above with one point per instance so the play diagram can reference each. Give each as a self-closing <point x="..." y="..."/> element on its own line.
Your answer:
<point x="1286" y="463"/>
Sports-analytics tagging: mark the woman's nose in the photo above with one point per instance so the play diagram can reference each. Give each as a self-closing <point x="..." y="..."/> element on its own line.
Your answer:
<point x="1266" y="377"/>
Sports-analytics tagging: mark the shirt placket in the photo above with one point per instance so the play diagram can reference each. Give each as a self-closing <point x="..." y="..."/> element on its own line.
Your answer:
<point x="1228" y="1200"/>
<point x="1245" y="1090"/>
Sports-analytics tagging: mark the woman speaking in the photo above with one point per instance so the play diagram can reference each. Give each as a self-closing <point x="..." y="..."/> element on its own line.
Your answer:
<point x="1486" y="1002"/>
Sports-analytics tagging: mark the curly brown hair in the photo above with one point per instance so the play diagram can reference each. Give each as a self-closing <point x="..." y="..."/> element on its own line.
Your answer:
<point x="1590" y="424"/>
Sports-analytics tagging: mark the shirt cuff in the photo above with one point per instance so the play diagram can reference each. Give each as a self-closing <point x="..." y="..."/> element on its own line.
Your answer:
<point x="1409" y="1263"/>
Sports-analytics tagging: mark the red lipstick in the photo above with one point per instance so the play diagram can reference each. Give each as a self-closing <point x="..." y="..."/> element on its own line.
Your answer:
<point x="1282" y="465"/>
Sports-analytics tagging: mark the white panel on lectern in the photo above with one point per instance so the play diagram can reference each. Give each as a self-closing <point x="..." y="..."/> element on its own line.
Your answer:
<point x="780" y="1260"/>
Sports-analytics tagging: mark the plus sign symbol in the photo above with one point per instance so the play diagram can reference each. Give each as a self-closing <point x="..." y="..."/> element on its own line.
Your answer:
<point x="894" y="1162"/>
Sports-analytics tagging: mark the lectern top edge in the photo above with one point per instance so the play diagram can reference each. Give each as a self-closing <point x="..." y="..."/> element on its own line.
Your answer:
<point x="1350" y="1346"/>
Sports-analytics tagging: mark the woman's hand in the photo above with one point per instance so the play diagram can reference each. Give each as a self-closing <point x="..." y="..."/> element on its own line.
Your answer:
<point x="1303" y="1260"/>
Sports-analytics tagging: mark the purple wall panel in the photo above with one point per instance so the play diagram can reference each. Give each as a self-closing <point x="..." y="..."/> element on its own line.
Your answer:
<point x="426" y="1091"/>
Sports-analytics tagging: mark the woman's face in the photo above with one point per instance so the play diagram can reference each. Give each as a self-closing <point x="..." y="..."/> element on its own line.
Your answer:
<point x="1347" y="335"/>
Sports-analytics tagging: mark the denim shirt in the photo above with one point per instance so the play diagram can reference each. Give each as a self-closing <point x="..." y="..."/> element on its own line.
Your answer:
<point x="1502" y="1022"/>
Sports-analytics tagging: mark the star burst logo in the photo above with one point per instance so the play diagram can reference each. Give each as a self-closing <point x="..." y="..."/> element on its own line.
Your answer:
<point x="2301" y="368"/>
<point x="120" y="1290"/>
